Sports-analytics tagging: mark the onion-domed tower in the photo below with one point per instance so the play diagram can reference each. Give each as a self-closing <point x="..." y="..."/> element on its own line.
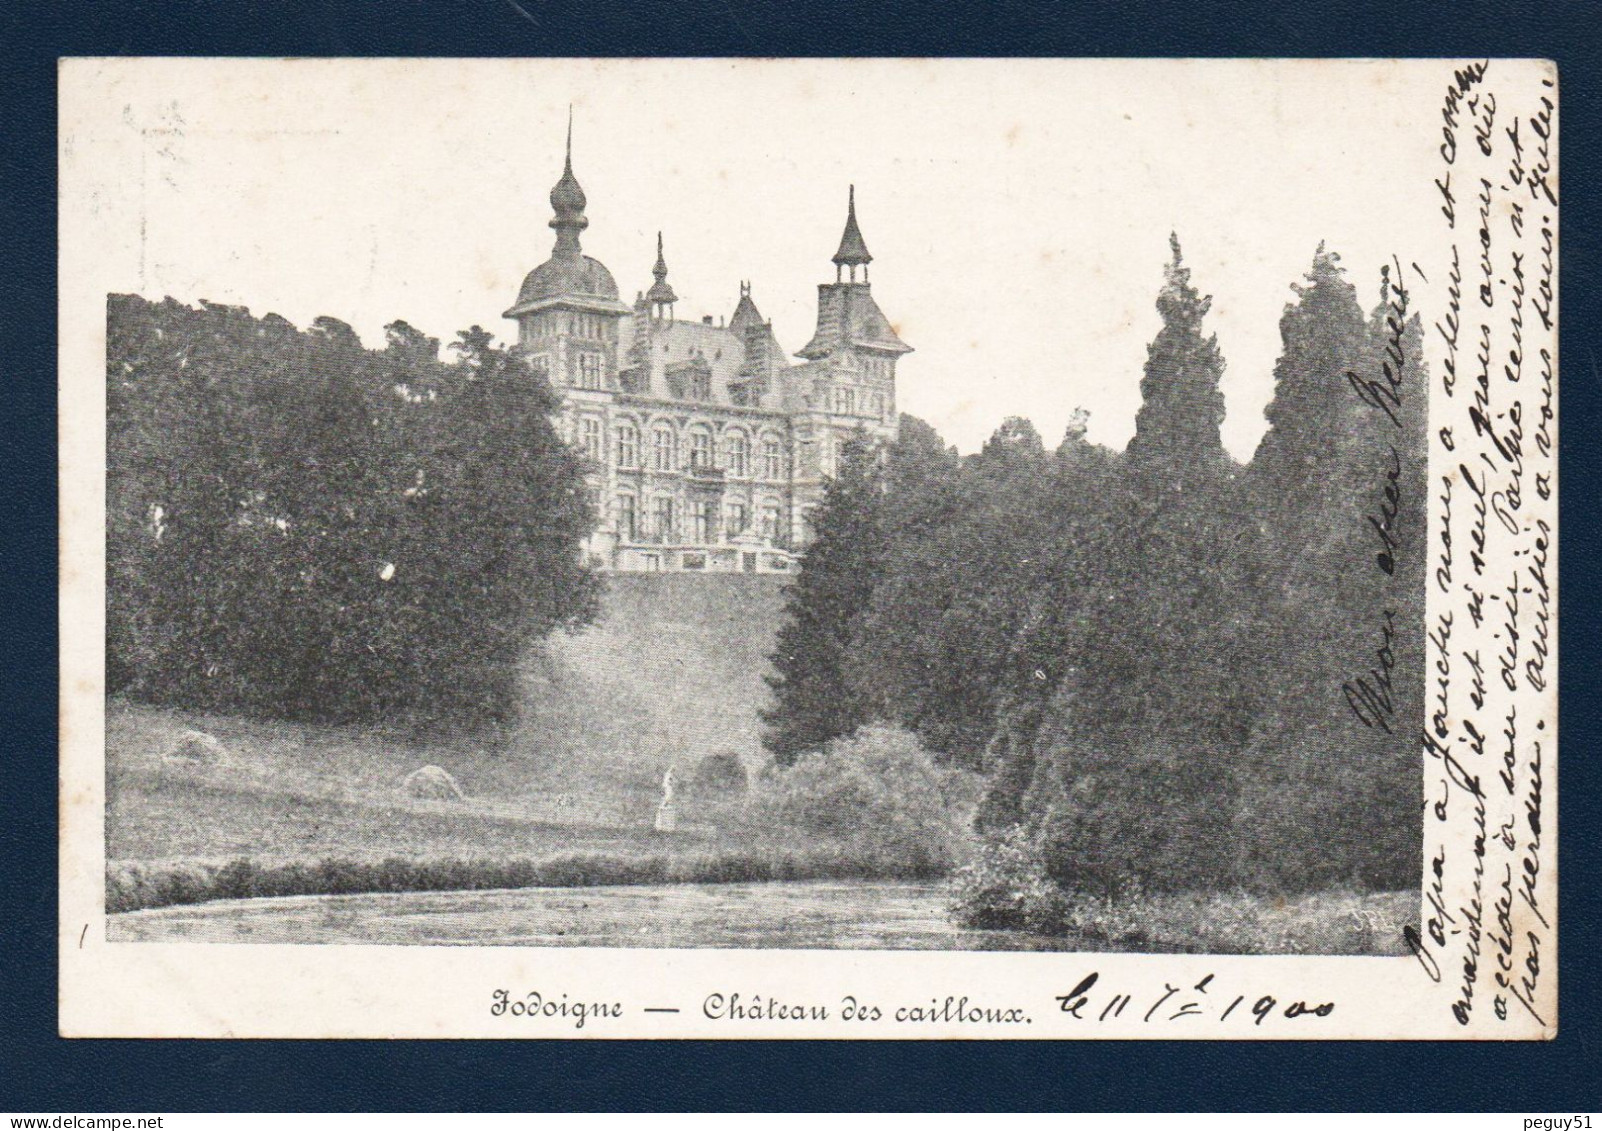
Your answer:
<point x="567" y="310"/>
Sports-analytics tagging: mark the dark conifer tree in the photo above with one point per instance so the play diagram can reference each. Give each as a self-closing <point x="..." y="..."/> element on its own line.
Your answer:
<point x="1324" y="801"/>
<point x="813" y="699"/>
<point x="1134" y="771"/>
<point x="1177" y="428"/>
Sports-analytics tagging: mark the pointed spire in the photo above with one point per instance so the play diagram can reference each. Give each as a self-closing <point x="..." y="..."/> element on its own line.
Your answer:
<point x="660" y="295"/>
<point x="568" y="201"/>
<point x="853" y="251"/>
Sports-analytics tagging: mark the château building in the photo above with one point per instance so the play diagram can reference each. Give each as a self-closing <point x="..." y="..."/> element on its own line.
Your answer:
<point x="705" y="445"/>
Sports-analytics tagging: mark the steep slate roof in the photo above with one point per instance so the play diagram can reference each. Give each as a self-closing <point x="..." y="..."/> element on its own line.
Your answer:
<point x="721" y="347"/>
<point x="745" y="312"/>
<point x="848" y="316"/>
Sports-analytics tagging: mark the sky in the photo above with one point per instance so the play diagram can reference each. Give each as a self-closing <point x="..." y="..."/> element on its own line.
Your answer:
<point x="1018" y="211"/>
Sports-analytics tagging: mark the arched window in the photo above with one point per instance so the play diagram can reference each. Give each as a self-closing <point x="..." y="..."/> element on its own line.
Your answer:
<point x="772" y="458"/>
<point x="664" y="453"/>
<point x="736" y="521"/>
<point x="737" y="453"/>
<point x="628" y="446"/>
<point x="700" y="449"/>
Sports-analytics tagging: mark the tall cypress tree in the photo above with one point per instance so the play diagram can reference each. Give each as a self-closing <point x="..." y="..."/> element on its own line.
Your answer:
<point x="813" y="702"/>
<point x="1133" y="774"/>
<point x="1325" y="801"/>
<point x="1177" y="428"/>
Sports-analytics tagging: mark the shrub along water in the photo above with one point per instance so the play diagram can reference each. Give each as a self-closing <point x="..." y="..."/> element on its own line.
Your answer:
<point x="138" y="887"/>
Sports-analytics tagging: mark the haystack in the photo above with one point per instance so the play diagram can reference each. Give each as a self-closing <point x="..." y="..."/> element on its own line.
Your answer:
<point x="195" y="748"/>
<point x="432" y="782"/>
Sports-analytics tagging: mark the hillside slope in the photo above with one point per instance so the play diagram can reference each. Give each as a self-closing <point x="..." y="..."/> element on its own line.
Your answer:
<point x="672" y="672"/>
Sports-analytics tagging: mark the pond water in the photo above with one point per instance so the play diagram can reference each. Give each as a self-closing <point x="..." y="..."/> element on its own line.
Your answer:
<point x="850" y="915"/>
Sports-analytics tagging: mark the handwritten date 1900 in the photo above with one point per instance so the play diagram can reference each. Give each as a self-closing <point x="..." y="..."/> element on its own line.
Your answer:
<point x="1174" y="1002"/>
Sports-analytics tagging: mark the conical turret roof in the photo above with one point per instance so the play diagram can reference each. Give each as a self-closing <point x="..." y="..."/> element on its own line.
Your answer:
<point x="853" y="248"/>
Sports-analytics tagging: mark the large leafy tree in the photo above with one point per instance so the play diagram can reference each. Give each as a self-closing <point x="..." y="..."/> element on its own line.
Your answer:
<point x="298" y="526"/>
<point x="965" y="555"/>
<point x="813" y="701"/>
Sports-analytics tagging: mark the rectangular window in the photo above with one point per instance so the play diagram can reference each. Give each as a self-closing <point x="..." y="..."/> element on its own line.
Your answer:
<point x="878" y="405"/>
<point x="770" y="522"/>
<point x="736" y="518"/>
<point x="845" y="401"/>
<point x="706" y="522"/>
<point x="589" y="366"/>
<point x="664" y="518"/>
<point x="591" y="434"/>
<point x="700" y="450"/>
<point x="628" y="446"/>
<point x="662" y="449"/>
<point x="772" y="460"/>
<point x="626" y="518"/>
<point x="737" y="454"/>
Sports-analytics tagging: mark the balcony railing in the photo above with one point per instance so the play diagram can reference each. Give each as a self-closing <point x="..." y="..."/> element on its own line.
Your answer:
<point x="721" y="538"/>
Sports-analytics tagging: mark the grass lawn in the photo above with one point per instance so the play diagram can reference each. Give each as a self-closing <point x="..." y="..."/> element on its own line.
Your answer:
<point x="291" y="792"/>
<point x="299" y="809"/>
<point x="296" y="809"/>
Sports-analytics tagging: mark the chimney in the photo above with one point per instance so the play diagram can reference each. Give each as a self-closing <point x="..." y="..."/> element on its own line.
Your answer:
<point x="706" y="320"/>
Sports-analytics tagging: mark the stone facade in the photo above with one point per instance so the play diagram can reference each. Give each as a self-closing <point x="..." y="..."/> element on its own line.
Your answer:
<point x="705" y="446"/>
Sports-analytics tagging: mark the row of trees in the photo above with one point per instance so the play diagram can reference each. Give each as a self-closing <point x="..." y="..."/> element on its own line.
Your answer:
<point x="1149" y="653"/>
<point x="299" y="526"/>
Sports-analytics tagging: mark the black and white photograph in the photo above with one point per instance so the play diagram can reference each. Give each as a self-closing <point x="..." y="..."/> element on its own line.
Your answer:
<point x="1082" y="527"/>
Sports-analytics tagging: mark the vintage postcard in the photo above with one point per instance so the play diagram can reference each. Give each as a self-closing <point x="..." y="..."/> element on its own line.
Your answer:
<point x="809" y="548"/>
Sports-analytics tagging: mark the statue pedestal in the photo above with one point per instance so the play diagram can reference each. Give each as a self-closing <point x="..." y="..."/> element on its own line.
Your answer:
<point x="667" y="817"/>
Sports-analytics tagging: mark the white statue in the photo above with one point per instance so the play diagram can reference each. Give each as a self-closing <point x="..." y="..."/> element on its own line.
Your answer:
<point x="667" y="814"/>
